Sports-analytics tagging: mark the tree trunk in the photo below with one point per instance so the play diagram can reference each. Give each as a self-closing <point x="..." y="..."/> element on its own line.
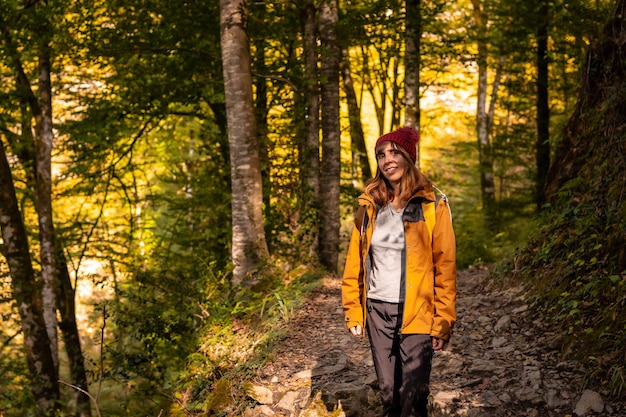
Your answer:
<point x="413" y="22"/>
<point x="65" y="293"/>
<point x="487" y="185"/>
<point x="25" y="151"/>
<point x="331" y="152"/>
<point x="249" y="247"/>
<point x="360" y="161"/>
<point x="309" y="145"/>
<point x="310" y="150"/>
<point x="543" y="107"/>
<point x="262" y="110"/>
<point x="377" y="102"/>
<point x="66" y="296"/>
<point x="43" y="148"/>
<point x="44" y="384"/>
<point x="396" y="104"/>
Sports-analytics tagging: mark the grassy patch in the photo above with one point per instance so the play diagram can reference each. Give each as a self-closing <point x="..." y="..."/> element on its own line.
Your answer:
<point x="237" y="338"/>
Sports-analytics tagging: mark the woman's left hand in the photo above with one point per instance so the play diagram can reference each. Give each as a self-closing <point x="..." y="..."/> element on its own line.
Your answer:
<point x="438" y="343"/>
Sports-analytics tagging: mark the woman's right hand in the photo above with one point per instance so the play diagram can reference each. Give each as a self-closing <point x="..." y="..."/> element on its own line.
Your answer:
<point x="356" y="330"/>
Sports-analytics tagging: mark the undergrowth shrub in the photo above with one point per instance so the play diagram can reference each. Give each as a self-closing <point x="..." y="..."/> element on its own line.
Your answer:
<point x="579" y="284"/>
<point x="240" y="328"/>
<point x="575" y="263"/>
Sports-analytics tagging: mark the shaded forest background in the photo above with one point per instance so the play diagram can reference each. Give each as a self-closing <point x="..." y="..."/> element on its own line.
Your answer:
<point x="124" y="179"/>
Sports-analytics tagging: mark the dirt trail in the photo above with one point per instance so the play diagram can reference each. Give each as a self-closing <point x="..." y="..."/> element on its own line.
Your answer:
<point x="501" y="362"/>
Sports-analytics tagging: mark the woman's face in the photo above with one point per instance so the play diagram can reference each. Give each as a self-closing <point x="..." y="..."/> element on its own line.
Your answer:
<point x="391" y="163"/>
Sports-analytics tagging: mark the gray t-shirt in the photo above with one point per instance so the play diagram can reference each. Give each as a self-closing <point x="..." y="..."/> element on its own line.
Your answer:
<point x="387" y="252"/>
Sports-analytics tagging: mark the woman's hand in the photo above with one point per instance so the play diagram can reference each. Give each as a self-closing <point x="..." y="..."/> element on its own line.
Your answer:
<point x="438" y="343"/>
<point x="356" y="330"/>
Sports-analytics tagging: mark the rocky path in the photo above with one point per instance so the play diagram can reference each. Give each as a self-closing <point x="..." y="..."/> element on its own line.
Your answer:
<point x="501" y="362"/>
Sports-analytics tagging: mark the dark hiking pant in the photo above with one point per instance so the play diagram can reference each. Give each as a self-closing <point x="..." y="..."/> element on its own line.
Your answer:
<point x="402" y="362"/>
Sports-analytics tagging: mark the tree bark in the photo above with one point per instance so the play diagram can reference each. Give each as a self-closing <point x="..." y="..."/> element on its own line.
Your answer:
<point x="378" y="101"/>
<point x="262" y="110"/>
<point x="396" y="103"/>
<point x="413" y="22"/>
<point x="66" y="297"/>
<point x="44" y="376"/>
<point x="43" y="148"/>
<point x="249" y="247"/>
<point x="543" y="107"/>
<point x="24" y="148"/>
<point x="42" y="113"/>
<point x="331" y="152"/>
<point x="361" y="170"/>
<point x="309" y="132"/>
<point x="310" y="149"/>
<point x="485" y="156"/>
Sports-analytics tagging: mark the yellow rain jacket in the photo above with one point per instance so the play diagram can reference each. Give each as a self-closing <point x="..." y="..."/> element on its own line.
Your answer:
<point x="430" y="293"/>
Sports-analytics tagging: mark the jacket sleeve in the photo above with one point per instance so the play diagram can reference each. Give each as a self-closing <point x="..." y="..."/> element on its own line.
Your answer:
<point x="444" y="258"/>
<point x="352" y="283"/>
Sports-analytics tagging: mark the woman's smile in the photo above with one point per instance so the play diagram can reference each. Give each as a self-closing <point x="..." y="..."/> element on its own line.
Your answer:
<point x="391" y="162"/>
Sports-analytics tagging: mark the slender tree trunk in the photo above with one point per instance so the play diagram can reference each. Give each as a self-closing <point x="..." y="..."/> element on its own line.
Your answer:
<point x="360" y="162"/>
<point x="331" y="151"/>
<point x="249" y="247"/>
<point x="42" y="113"/>
<point x="43" y="148"/>
<point x="487" y="185"/>
<point x="543" y="107"/>
<point x="25" y="151"/>
<point x="413" y="22"/>
<point x="44" y="377"/>
<point x="65" y="293"/>
<point x="262" y="110"/>
<point x="396" y="103"/>
<point x="494" y="93"/>
<point x="310" y="149"/>
<point x="66" y="296"/>
<point x="379" y="106"/>
<point x="309" y="145"/>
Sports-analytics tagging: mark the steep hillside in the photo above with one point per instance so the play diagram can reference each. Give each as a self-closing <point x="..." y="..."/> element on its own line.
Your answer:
<point x="575" y="263"/>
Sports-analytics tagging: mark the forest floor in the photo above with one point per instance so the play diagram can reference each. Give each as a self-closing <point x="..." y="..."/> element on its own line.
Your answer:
<point x="502" y="361"/>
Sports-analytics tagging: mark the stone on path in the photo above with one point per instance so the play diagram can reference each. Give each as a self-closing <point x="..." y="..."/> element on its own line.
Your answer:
<point x="589" y="401"/>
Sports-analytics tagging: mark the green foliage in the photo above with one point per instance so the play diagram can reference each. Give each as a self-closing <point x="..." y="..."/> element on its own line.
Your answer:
<point x="16" y="399"/>
<point x="576" y="280"/>
<point x="182" y="333"/>
<point x="476" y="243"/>
<point x="141" y="159"/>
<point x="154" y="318"/>
<point x="575" y="262"/>
<point x="238" y="332"/>
<point x="13" y="365"/>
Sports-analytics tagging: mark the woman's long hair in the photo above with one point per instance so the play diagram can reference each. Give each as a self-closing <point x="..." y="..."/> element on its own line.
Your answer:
<point x="413" y="180"/>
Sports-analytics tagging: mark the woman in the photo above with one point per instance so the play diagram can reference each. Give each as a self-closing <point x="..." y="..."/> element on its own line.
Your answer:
<point x="399" y="281"/>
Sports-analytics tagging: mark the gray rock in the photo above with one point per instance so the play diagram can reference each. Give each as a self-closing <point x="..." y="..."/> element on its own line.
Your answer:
<point x="503" y="324"/>
<point x="521" y="309"/>
<point x="527" y="394"/>
<point x="499" y="342"/>
<point x="556" y="400"/>
<point x="589" y="401"/>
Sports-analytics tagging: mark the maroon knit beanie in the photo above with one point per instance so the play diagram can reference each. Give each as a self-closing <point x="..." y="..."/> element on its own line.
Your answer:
<point x="405" y="137"/>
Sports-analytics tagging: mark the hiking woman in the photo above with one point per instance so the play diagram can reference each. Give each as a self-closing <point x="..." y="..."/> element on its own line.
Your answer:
<point x="399" y="281"/>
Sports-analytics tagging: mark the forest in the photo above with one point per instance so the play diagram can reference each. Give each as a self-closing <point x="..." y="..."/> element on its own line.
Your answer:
<point x="176" y="178"/>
